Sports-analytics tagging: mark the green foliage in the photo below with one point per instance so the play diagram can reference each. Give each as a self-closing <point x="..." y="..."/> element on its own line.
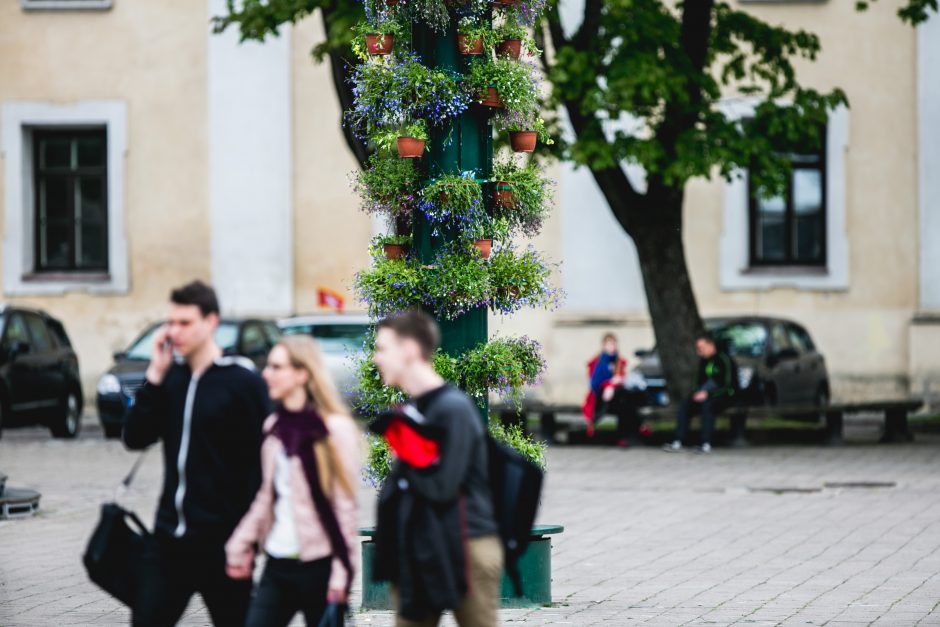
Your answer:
<point x="503" y="365"/>
<point x="390" y="285"/>
<point x="417" y="129"/>
<point x="532" y="191"/>
<point x="474" y="28"/>
<point x="516" y="82"/>
<point x="516" y="438"/>
<point x="454" y="203"/>
<point x="379" y="461"/>
<point x="632" y="60"/>
<point x="457" y="282"/>
<point x="519" y="279"/>
<point x="913" y="11"/>
<point x="509" y="29"/>
<point x="387" y="186"/>
<point x="397" y="240"/>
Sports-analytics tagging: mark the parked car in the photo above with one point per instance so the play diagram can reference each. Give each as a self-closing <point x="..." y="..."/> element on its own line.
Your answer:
<point x="118" y="387"/>
<point x="777" y="360"/>
<point x="342" y="338"/>
<point x="39" y="378"/>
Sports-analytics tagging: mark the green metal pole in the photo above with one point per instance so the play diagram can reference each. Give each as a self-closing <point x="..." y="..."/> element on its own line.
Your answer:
<point x="465" y="145"/>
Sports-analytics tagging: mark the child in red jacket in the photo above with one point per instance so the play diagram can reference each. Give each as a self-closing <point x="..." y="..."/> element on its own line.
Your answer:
<point x="607" y="373"/>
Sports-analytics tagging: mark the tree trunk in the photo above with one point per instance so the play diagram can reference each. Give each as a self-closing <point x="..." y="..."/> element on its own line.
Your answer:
<point x="340" y="67"/>
<point x="672" y="306"/>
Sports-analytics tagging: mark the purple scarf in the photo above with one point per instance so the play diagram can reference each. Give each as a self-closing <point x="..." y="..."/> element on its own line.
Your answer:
<point x="298" y="431"/>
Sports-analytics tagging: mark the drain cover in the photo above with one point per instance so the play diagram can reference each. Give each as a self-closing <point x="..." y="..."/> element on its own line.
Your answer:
<point x="860" y="484"/>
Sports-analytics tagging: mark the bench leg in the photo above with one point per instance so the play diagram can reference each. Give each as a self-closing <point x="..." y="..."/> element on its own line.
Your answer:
<point x="549" y="427"/>
<point x="738" y="431"/>
<point x="896" y="429"/>
<point x="833" y="428"/>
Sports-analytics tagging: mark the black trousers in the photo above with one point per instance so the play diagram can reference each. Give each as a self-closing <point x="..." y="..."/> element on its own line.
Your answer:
<point x="624" y="406"/>
<point x="287" y="587"/>
<point x="709" y="409"/>
<point x="172" y="571"/>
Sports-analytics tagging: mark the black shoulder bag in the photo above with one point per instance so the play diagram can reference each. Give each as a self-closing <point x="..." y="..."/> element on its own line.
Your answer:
<point x="116" y="546"/>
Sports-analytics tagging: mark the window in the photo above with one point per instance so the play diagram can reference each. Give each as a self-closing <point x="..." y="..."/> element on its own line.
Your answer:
<point x="41" y="343"/>
<point x="790" y="230"/>
<point x="71" y="213"/>
<point x="254" y="343"/>
<point x="16" y="332"/>
<point x="779" y="339"/>
<point x="800" y="339"/>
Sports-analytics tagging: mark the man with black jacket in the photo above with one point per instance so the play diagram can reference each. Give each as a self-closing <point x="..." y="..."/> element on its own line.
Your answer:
<point x="436" y="534"/>
<point x="208" y="410"/>
<point x="715" y="384"/>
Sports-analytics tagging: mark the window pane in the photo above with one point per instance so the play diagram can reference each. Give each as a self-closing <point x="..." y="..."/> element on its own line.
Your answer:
<point x="90" y="198"/>
<point x="93" y="246"/>
<point x="808" y="231"/>
<point x="91" y="151"/>
<point x="55" y="152"/>
<point x="55" y="247"/>
<point x="771" y="218"/>
<point x="39" y="333"/>
<point x="54" y="201"/>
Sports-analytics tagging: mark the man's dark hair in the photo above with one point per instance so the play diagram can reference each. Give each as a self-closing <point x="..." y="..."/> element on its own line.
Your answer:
<point x="415" y="325"/>
<point x="199" y="294"/>
<point x="708" y="336"/>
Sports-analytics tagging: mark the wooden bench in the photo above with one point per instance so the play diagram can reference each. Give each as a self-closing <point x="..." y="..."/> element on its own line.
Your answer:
<point x="895" y="417"/>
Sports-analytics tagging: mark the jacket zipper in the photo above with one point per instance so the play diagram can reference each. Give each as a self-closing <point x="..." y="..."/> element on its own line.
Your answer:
<point x="183" y="454"/>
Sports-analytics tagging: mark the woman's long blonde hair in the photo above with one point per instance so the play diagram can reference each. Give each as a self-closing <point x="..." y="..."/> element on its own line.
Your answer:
<point x="304" y="353"/>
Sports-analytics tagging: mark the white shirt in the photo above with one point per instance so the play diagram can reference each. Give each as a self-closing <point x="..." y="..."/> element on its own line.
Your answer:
<point x="282" y="541"/>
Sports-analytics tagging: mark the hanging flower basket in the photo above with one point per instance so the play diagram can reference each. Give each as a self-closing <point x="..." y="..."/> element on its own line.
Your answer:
<point x="511" y="48"/>
<point x="379" y="45"/>
<point x="467" y="46"/>
<point x="395" y="251"/>
<point x="484" y="246"/>
<point x="522" y="141"/>
<point x="503" y="196"/>
<point x="410" y="147"/>
<point x="491" y="99"/>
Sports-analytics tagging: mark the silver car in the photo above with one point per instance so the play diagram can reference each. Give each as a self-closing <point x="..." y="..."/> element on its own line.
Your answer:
<point x="342" y="338"/>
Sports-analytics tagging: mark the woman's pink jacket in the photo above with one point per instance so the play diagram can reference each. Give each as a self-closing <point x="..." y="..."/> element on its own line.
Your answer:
<point x="314" y="542"/>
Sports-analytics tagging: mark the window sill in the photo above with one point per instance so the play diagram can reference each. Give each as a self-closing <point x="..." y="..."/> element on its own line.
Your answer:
<point x="66" y="5"/>
<point x="67" y="277"/>
<point x="785" y="271"/>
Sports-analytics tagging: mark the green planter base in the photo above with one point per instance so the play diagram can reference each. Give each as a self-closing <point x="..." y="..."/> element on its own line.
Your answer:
<point x="535" y="567"/>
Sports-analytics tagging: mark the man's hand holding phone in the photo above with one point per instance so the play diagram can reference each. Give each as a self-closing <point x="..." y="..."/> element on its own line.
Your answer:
<point x="162" y="356"/>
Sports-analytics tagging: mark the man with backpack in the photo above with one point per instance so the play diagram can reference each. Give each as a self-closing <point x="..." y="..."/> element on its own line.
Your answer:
<point x="715" y="384"/>
<point x="437" y="539"/>
<point x="208" y="409"/>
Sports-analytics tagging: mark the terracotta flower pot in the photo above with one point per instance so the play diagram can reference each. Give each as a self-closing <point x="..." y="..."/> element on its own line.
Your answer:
<point x="511" y="48"/>
<point x="503" y="196"/>
<point x="379" y="45"/>
<point x="504" y="3"/>
<point x="391" y="3"/>
<point x="491" y="99"/>
<point x="522" y="141"/>
<point x="484" y="246"/>
<point x="410" y="147"/>
<point x="395" y="251"/>
<point x="469" y="47"/>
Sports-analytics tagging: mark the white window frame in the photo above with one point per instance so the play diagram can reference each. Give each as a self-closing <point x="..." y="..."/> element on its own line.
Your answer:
<point x="18" y="121"/>
<point x="66" y="5"/>
<point x="735" y="270"/>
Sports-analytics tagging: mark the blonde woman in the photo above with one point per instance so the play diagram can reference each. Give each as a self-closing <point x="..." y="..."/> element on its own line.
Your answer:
<point x="305" y="515"/>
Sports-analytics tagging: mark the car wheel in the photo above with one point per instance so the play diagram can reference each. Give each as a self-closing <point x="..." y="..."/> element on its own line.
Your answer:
<point x="821" y="400"/>
<point x="69" y="421"/>
<point x="113" y="431"/>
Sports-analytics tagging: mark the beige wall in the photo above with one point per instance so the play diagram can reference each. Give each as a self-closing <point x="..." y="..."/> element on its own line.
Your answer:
<point x="152" y="55"/>
<point x="331" y="235"/>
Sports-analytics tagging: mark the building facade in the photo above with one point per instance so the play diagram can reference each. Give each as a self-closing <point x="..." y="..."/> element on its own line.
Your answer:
<point x="139" y="151"/>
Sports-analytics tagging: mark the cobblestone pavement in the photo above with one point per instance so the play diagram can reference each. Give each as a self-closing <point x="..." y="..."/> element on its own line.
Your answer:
<point x="760" y="536"/>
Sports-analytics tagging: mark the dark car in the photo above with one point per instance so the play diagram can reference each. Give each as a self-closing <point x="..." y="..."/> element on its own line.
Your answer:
<point x="118" y="387"/>
<point x="777" y="363"/>
<point x="39" y="379"/>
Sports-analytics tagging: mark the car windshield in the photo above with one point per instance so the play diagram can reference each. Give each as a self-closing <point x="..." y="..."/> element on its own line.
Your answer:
<point x="225" y="336"/>
<point x="333" y="337"/>
<point x="742" y="338"/>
